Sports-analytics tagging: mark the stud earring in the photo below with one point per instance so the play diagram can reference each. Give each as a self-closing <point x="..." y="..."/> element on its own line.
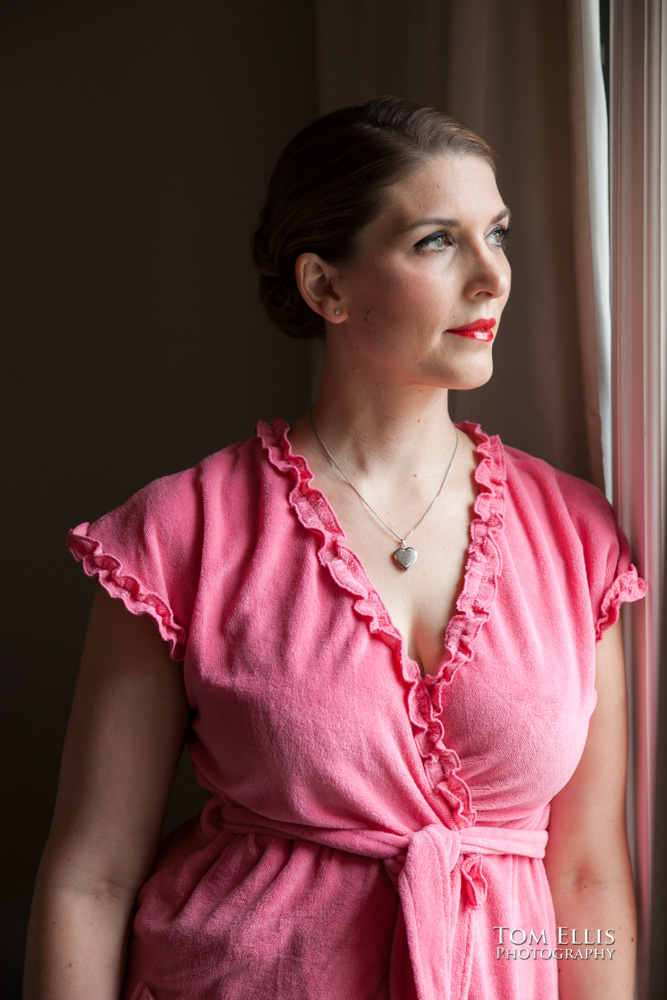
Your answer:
<point x="337" y="312"/>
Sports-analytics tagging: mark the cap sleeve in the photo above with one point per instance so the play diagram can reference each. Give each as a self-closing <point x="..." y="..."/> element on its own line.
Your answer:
<point x="148" y="553"/>
<point x="621" y="584"/>
<point x="612" y="578"/>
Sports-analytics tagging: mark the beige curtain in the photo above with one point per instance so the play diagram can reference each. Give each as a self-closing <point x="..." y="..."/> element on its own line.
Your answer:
<point x="639" y="310"/>
<point x="513" y="70"/>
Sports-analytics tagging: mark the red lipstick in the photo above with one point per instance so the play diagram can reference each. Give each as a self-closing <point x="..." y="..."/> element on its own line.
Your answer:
<point x="481" y="329"/>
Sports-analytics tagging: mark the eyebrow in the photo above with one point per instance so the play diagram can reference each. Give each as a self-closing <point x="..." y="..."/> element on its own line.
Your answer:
<point x="452" y="223"/>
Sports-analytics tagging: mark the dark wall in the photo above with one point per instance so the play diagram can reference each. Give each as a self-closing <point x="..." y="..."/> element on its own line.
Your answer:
<point x="136" y="143"/>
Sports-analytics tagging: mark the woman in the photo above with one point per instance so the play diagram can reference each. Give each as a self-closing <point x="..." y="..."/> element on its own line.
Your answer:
<point x="378" y="632"/>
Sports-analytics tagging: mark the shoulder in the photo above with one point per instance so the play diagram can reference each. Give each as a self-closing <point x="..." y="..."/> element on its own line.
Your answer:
<point x="170" y="516"/>
<point x="572" y="521"/>
<point x="150" y="550"/>
<point x="534" y="487"/>
<point x="578" y="523"/>
<point x="179" y="497"/>
<point x="232" y="462"/>
<point x="536" y="482"/>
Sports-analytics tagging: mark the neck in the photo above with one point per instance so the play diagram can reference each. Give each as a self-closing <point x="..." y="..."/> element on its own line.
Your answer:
<point x="379" y="430"/>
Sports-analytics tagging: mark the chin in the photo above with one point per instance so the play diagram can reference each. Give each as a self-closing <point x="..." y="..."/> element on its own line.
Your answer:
<point x="470" y="376"/>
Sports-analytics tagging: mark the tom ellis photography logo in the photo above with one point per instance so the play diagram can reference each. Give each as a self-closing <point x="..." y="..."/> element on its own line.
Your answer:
<point x="517" y="944"/>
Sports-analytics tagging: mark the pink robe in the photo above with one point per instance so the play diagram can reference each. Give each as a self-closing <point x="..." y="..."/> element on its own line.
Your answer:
<point x="368" y="830"/>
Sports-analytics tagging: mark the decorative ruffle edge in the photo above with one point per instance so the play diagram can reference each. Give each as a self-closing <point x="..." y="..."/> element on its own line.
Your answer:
<point x="483" y="567"/>
<point x="109" y="570"/>
<point x="484" y="563"/>
<point x="627" y="587"/>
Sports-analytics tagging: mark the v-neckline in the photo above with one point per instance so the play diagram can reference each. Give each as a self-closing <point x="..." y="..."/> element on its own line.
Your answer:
<point x="483" y="560"/>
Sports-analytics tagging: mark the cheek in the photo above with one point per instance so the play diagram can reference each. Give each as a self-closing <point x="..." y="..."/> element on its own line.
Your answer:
<point x="396" y="295"/>
<point x="374" y="301"/>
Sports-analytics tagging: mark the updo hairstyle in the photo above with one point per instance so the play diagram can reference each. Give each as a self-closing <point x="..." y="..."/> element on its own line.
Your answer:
<point x="328" y="185"/>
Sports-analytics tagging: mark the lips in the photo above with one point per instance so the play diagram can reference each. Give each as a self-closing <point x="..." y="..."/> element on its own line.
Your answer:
<point x="481" y="329"/>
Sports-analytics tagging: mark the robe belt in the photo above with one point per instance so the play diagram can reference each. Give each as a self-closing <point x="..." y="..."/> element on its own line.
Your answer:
<point x="423" y="882"/>
<point x="420" y="864"/>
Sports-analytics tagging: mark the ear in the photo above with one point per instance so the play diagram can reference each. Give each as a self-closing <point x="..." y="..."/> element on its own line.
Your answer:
<point x="316" y="280"/>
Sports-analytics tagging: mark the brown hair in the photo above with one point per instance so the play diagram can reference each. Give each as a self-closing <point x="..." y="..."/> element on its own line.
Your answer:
<point x="328" y="184"/>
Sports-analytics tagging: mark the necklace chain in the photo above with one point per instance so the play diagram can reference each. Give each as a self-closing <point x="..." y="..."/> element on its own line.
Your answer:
<point x="402" y="538"/>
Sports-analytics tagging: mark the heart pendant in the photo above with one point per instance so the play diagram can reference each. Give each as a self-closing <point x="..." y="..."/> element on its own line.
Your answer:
<point x="405" y="557"/>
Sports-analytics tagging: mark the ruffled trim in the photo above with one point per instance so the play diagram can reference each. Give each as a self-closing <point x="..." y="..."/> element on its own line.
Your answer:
<point x="483" y="567"/>
<point x="484" y="563"/>
<point x="139" y="601"/>
<point x="627" y="587"/>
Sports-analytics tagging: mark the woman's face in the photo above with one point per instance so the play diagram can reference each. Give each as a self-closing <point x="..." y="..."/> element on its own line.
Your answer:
<point x="432" y="263"/>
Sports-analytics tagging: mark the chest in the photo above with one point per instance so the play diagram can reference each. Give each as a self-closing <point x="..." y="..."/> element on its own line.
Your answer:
<point x="296" y="674"/>
<point x="420" y="600"/>
<point x="403" y="502"/>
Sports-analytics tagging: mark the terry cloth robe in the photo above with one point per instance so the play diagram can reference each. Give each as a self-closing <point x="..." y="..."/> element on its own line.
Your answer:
<point x="368" y="829"/>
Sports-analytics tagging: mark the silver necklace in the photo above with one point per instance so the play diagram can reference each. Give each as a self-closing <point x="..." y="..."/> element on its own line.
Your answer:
<point x="404" y="556"/>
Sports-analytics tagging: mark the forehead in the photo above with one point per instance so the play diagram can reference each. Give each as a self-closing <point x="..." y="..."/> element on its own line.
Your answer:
<point x="446" y="186"/>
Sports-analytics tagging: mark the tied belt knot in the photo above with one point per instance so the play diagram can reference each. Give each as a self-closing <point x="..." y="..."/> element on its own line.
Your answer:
<point x="422" y="875"/>
<point x="437" y="919"/>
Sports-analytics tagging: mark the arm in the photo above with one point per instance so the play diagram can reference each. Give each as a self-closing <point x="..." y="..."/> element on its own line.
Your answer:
<point x="122" y="747"/>
<point x="587" y="862"/>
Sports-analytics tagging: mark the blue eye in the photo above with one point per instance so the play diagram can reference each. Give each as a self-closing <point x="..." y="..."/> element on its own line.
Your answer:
<point x="436" y="241"/>
<point x="499" y="236"/>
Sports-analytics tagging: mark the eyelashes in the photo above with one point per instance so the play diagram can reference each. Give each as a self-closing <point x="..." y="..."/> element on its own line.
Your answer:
<point x="440" y="240"/>
<point x="436" y="241"/>
<point x="503" y="233"/>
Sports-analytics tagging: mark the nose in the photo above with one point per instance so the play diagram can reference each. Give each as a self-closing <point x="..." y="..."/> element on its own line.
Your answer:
<point x="489" y="275"/>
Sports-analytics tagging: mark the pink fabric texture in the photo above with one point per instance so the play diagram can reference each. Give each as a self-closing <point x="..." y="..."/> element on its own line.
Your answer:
<point x="367" y="829"/>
